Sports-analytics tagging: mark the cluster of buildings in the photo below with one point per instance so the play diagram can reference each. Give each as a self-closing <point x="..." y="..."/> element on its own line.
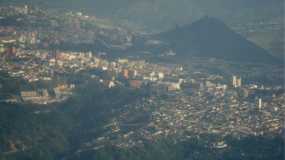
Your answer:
<point x="32" y="27"/>
<point x="47" y="96"/>
<point x="185" y="103"/>
<point x="209" y="108"/>
<point x="15" y="10"/>
<point x="43" y="66"/>
<point x="27" y="48"/>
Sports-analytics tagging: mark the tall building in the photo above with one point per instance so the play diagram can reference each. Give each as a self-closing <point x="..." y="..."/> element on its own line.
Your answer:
<point x="126" y="73"/>
<point x="234" y="81"/>
<point x="161" y="75"/>
<point x="26" y="9"/>
<point x="2" y="48"/>
<point x="237" y="82"/>
<point x="260" y="103"/>
<point x="135" y="73"/>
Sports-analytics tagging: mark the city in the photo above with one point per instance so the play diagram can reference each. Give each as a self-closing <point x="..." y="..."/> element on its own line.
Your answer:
<point x="183" y="101"/>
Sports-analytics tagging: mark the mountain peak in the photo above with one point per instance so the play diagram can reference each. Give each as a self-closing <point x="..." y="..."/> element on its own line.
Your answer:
<point x="208" y="19"/>
<point x="211" y="37"/>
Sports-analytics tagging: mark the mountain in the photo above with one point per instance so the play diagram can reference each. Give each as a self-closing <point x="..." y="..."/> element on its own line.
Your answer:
<point x="163" y="14"/>
<point x="210" y="37"/>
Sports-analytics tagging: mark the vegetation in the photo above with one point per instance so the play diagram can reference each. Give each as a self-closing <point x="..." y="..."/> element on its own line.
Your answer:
<point x="33" y="133"/>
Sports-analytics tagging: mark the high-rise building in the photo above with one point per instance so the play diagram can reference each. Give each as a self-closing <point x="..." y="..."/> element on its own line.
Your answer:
<point x="135" y="73"/>
<point x="161" y="75"/>
<point x="260" y="103"/>
<point x="26" y="9"/>
<point x="234" y="81"/>
<point x="237" y="82"/>
<point x="126" y="73"/>
<point x="2" y="48"/>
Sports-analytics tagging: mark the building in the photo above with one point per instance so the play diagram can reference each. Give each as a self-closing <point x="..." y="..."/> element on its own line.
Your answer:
<point x="111" y="84"/>
<point x="236" y="81"/>
<point x="260" y="103"/>
<point x="175" y="86"/>
<point x="135" y="73"/>
<point x="38" y="97"/>
<point x="25" y="94"/>
<point x="45" y="93"/>
<point x="123" y="61"/>
<point x="2" y="48"/>
<point x="135" y="84"/>
<point x="126" y="73"/>
<point x="160" y="75"/>
<point x="63" y="90"/>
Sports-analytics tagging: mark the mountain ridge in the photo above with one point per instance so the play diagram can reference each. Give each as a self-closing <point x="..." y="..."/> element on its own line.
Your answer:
<point x="210" y="37"/>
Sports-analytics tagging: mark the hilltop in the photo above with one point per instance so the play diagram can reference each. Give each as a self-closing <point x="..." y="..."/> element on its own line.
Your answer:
<point x="210" y="37"/>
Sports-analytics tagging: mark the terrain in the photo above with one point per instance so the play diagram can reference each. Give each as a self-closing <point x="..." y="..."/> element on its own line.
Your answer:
<point x="75" y="86"/>
<point x="210" y="37"/>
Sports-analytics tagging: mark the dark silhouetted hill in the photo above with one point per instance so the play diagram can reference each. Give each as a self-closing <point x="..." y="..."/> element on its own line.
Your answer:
<point x="210" y="37"/>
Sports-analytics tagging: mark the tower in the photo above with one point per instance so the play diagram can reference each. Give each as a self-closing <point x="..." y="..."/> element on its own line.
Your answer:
<point x="126" y="73"/>
<point x="239" y="82"/>
<point x="234" y="81"/>
<point x="26" y="9"/>
<point x="260" y="104"/>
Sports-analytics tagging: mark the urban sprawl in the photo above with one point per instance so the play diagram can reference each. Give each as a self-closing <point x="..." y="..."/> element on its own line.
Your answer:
<point x="193" y="103"/>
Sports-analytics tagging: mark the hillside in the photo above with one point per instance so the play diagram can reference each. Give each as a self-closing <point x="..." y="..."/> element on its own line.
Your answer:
<point x="210" y="37"/>
<point x="163" y="14"/>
